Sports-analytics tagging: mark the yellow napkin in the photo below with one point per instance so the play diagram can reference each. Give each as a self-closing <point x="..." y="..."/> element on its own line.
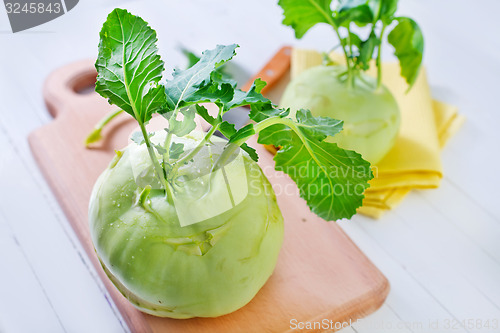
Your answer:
<point x="426" y="125"/>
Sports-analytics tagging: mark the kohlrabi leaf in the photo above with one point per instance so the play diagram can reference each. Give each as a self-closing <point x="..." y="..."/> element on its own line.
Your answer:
<point x="387" y="10"/>
<point x="353" y="40"/>
<point x="220" y="93"/>
<point x="360" y="12"/>
<point x="176" y="149"/>
<point x="228" y="130"/>
<point x="408" y="43"/>
<point x="203" y="112"/>
<point x="261" y="111"/>
<point x="252" y="96"/>
<point x="191" y="57"/>
<point x="366" y="51"/>
<point x="331" y="180"/>
<point x="184" y="126"/>
<point x="129" y="67"/>
<point x="190" y="84"/>
<point x="302" y="15"/>
<point x="160" y="149"/>
<point x="250" y="151"/>
<point x="317" y="127"/>
<point x="138" y="138"/>
<point x="243" y="133"/>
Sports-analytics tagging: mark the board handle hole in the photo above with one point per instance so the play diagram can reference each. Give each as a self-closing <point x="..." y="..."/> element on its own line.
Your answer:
<point x="84" y="84"/>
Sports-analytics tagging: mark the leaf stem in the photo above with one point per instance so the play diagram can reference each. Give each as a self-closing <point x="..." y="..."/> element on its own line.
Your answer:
<point x="330" y="20"/>
<point x="195" y="151"/>
<point x="168" y="139"/>
<point x="231" y="148"/>
<point x="379" y="58"/>
<point x="350" y="68"/>
<point x="350" y="75"/>
<point x="154" y="160"/>
<point x="95" y="135"/>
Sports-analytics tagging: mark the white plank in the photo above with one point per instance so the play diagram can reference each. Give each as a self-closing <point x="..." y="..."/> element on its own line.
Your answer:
<point x="411" y="302"/>
<point x="21" y="294"/>
<point x="65" y="277"/>
<point x="455" y="260"/>
<point x="461" y="210"/>
<point x="449" y="270"/>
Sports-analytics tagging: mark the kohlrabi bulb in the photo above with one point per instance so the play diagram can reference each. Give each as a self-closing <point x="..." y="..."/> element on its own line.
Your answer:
<point x="371" y="116"/>
<point x="204" y="254"/>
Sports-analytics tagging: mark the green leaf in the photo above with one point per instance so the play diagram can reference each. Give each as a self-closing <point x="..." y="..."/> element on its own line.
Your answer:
<point x="366" y="51"/>
<point x="259" y="112"/>
<point x="220" y="93"/>
<point x="243" y="133"/>
<point x="176" y="149"/>
<point x="203" y="112"/>
<point x="160" y="149"/>
<point x="138" y="138"/>
<point x="302" y="15"/>
<point x="318" y="127"/>
<point x="252" y="96"/>
<point x="228" y="130"/>
<point x="129" y="67"/>
<point x="188" y="86"/>
<point x="331" y="180"/>
<point x="387" y="10"/>
<point x="408" y="42"/>
<point x="361" y="12"/>
<point x="194" y="58"/>
<point x="184" y="126"/>
<point x="191" y="57"/>
<point x="353" y="39"/>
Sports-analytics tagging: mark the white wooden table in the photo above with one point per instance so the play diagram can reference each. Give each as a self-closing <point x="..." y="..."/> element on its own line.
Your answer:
<point x="440" y="249"/>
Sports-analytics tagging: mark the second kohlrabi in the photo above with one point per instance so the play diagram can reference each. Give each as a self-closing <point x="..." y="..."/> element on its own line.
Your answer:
<point x="343" y="91"/>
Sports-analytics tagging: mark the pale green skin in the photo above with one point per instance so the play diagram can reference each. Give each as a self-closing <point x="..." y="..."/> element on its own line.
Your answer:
<point x="371" y="116"/>
<point x="207" y="269"/>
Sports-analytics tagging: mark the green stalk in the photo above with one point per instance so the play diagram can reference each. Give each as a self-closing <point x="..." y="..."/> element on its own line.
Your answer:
<point x="154" y="160"/>
<point x="350" y="74"/>
<point x="95" y="135"/>
<point x="166" y="145"/>
<point x="290" y="123"/>
<point x="379" y="58"/>
<point x="349" y="39"/>
<point x="168" y="139"/>
<point x="231" y="148"/>
<point x="195" y="151"/>
<point x="329" y="19"/>
<point x="259" y="127"/>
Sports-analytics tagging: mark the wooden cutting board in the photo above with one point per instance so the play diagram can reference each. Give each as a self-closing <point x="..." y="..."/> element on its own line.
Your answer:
<point x="321" y="273"/>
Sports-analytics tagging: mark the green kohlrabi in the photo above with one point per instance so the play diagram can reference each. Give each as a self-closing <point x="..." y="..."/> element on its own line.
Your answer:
<point x="184" y="223"/>
<point x="204" y="269"/>
<point x="345" y="92"/>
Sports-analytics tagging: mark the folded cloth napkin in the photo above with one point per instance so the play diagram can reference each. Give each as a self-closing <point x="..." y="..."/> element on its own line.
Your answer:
<point x="426" y="125"/>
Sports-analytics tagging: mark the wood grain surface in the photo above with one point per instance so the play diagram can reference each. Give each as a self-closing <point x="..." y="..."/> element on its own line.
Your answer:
<point x="321" y="274"/>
